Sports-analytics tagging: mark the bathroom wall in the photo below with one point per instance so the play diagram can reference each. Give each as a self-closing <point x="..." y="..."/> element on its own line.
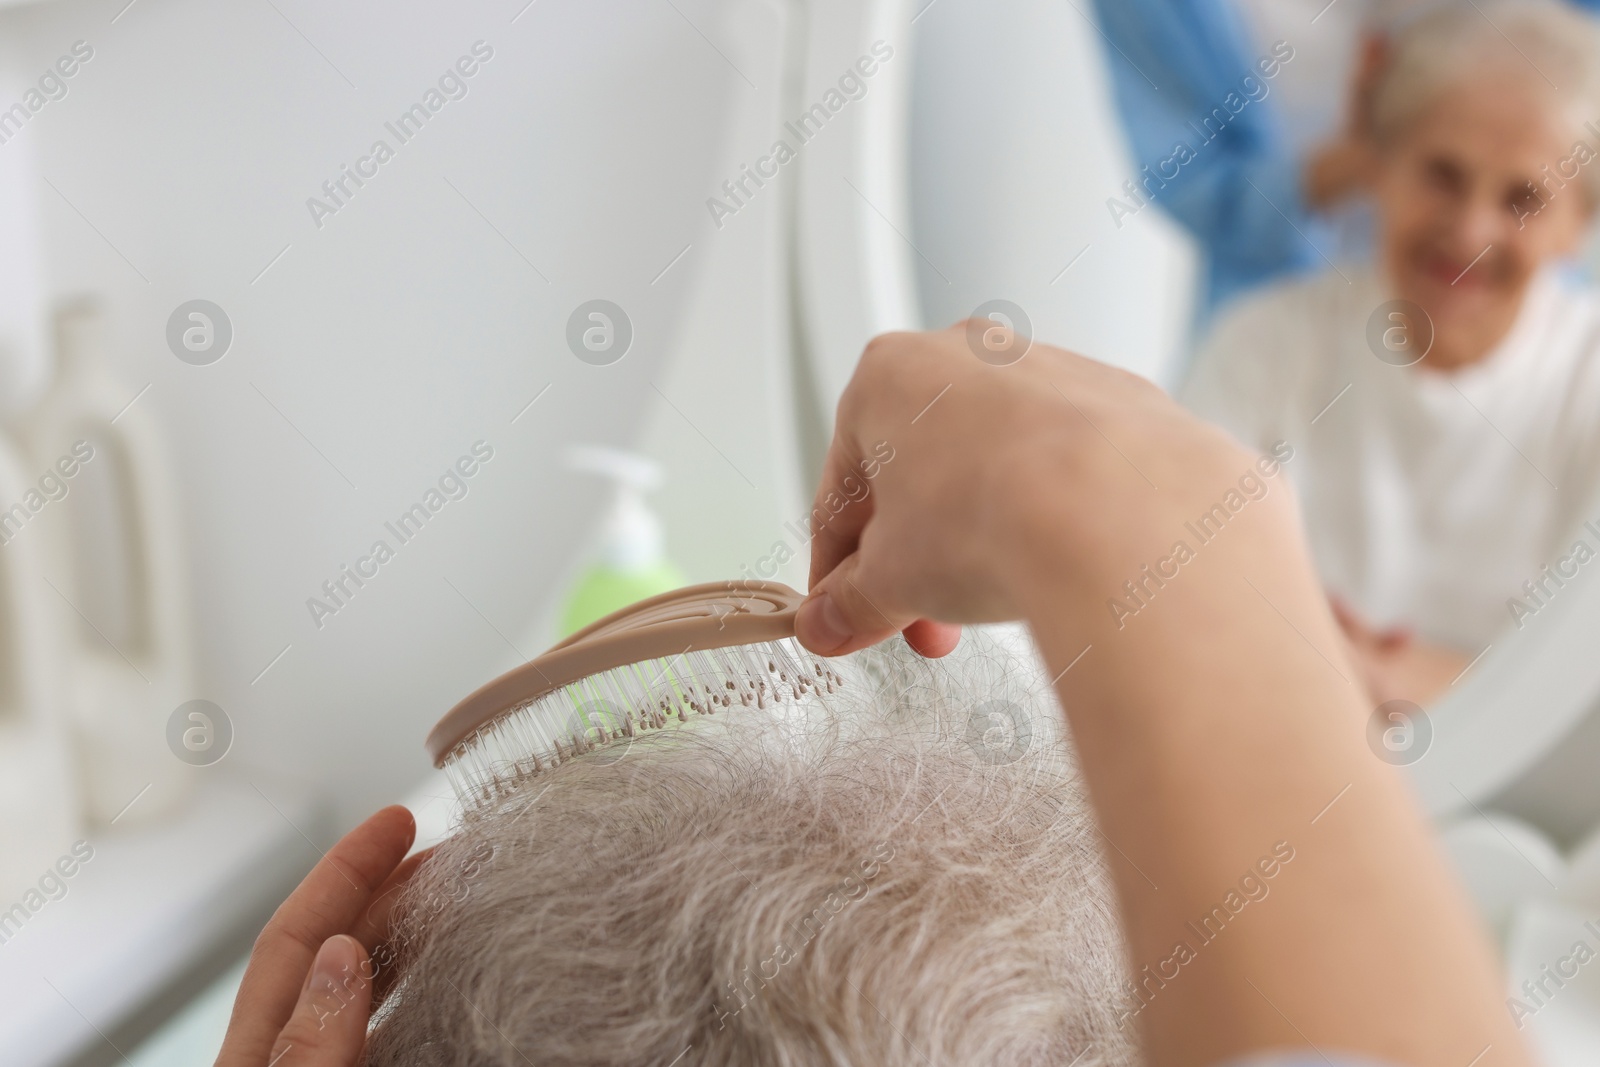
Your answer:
<point x="1015" y="150"/>
<point x="375" y="343"/>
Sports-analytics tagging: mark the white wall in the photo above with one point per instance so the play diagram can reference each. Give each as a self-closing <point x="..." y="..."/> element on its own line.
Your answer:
<point x="727" y="441"/>
<point x="406" y="327"/>
<point x="1015" y="149"/>
<point x="392" y="338"/>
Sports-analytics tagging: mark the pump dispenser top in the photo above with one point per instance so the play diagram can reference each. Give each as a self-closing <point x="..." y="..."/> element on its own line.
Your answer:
<point x="629" y="563"/>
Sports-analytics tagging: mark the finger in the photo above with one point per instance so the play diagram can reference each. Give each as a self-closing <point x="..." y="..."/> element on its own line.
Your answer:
<point x="839" y="617"/>
<point x="328" y="902"/>
<point x="932" y="639"/>
<point x="835" y="531"/>
<point x="1396" y="638"/>
<point x="1342" y="613"/>
<point x="1352" y="624"/>
<point x="375" y="928"/>
<point x="329" y="1025"/>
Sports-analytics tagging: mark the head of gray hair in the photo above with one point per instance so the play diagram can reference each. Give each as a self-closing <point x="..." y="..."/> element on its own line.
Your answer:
<point x="1550" y="45"/>
<point x="909" y="876"/>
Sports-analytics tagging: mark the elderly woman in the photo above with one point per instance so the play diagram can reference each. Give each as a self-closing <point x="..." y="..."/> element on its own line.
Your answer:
<point x="1283" y="167"/>
<point x="1444" y="407"/>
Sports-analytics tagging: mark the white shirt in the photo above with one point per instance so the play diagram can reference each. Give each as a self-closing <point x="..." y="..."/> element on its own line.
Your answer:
<point x="1429" y="498"/>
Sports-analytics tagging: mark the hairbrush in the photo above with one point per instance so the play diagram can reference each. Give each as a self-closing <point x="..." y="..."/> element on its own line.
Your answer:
<point x="652" y="666"/>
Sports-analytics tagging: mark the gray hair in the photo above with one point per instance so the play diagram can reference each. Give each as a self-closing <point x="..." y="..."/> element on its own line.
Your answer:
<point x="910" y="876"/>
<point x="1550" y="43"/>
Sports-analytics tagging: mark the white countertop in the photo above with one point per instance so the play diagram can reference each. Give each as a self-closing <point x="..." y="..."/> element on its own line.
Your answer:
<point x="154" y="906"/>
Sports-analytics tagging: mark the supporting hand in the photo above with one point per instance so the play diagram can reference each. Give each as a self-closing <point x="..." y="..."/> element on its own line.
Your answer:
<point x="308" y="989"/>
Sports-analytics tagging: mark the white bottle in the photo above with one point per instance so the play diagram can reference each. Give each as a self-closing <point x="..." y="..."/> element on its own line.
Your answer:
<point x="24" y="345"/>
<point x="40" y="810"/>
<point x="115" y="544"/>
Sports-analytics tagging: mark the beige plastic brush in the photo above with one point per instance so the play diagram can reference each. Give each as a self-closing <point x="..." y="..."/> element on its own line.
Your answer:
<point x="651" y="666"/>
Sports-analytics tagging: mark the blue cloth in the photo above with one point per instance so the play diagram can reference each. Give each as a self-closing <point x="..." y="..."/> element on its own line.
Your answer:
<point x="1172" y="64"/>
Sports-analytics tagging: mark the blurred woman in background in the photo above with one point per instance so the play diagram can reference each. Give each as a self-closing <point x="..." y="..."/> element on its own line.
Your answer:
<point x="1444" y="404"/>
<point x="1279" y="189"/>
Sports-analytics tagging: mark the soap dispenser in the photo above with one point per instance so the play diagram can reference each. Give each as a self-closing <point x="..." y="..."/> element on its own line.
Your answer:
<point x="629" y="563"/>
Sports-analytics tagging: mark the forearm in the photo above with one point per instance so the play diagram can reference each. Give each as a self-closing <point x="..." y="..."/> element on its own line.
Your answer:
<point x="1218" y="726"/>
<point x="1215" y="713"/>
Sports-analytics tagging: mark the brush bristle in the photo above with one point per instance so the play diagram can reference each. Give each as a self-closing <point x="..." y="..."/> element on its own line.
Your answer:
<point x="618" y="705"/>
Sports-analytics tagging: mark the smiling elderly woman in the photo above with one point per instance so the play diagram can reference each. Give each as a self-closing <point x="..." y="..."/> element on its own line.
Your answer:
<point x="1444" y="407"/>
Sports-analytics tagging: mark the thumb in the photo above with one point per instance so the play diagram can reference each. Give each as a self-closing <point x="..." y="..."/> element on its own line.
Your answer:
<point x="841" y="616"/>
<point x="329" y="1024"/>
<point x="838" y="617"/>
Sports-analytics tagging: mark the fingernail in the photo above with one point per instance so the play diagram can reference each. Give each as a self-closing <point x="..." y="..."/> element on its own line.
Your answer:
<point x="334" y="960"/>
<point x="821" y="626"/>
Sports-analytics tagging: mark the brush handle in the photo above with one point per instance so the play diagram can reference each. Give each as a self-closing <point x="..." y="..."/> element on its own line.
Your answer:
<point x="692" y="619"/>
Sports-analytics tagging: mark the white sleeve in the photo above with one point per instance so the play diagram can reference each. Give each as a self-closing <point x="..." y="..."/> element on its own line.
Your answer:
<point x="1242" y="378"/>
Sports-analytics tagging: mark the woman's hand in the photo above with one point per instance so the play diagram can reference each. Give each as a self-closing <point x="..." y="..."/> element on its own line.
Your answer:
<point x="989" y="463"/>
<point x="1216" y="715"/>
<point x="308" y="989"/>
<point x="1344" y="164"/>
<point x="1338" y="169"/>
<point x="1393" y="664"/>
